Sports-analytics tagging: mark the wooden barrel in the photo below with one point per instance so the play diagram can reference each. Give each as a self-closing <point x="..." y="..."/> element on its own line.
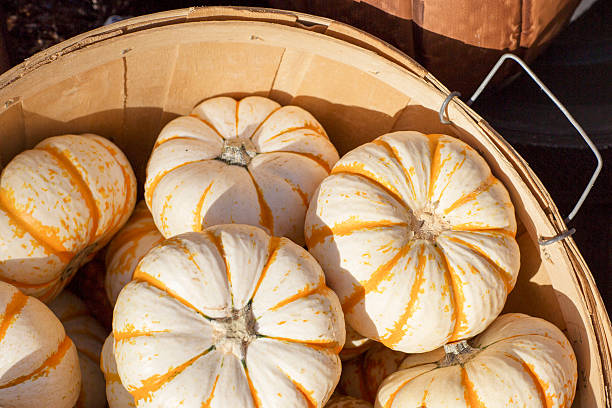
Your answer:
<point x="125" y="81"/>
<point x="458" y="41"/>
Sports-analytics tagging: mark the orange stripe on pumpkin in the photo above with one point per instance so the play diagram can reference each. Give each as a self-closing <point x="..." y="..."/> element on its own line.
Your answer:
<point x="458" y="299"/>
<point x="545" y="399"/>
<point x="129" y="237"/>
<point x="352" y="224"/>
<point x="484" y="186"/>
<point x="324" y="345"/>
<point x="266" y="218"/>
<point x="155" y="382"/>
<point x="375" y="279"/>
<point x="216" y="240"/>
<point x="197" y="220"/>
<point x="139" y="275"/>
<point x="81" y="186"/>
<point x="236" y="119"/>
<point x="503" y="275"/>
<point x="127" y="181"/>
<point x="359" y="169"/>
<point x="448" y="279"/>
<point x="395" y="334"/>
<point x="310" y="156"/>
<point x="305" y="292"/>
<point x="563" y="345"/>
<point x="256" y="398"/>
<point x="392" y="152"/>
<point x="308" y="395"/>
<point x="274" y="245"/>
<point x="300" y="192"/>
<point x="263" y="121"/>
<point x="206" y="404"/>
<point x="130" y="333"/>
<point x="402" y="385"/>
<point x="177" y="137"/>
<point x="49" y="364"/>
<point x="46" y="236"/>
<point x="473" y="228"/>
<point x="207" y="123"/>
<point x="434" y="171"/>
<point x="453" y="171"/>
<point x="13" y="308"/>
<point x="293" y="129"/>
<point x="471" y="398"/>
<point x="159" y="176"/>
<point x="112" y="377"/>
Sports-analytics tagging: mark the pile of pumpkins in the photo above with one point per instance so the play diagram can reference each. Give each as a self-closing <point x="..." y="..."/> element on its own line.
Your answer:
<point x="395" y="302"/>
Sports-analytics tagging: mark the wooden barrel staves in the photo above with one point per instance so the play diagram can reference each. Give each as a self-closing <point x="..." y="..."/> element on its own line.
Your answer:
<point x="127" y="80"/>
<point x="457" y="41"/>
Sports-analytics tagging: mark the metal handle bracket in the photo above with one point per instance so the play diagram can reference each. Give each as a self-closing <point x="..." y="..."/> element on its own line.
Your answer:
<point x="589" y="186"/>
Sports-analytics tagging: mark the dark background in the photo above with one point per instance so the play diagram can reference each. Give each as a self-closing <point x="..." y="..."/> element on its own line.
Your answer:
<point x="577" y="67"/>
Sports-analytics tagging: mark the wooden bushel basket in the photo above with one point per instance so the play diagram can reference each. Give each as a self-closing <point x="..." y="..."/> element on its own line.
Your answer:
<point x="126" y="80"/>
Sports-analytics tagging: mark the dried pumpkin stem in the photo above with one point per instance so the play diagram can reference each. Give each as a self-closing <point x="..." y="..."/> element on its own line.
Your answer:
<point x="237" y="152"/>
<point x="233" y="334"/>
<point x="457" y="353"/>
<point x="427" y="225"/>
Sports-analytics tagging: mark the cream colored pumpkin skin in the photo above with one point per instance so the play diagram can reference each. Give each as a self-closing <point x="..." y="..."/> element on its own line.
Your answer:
<point x="228" y="317"/>
<point x="255" y="163"/>
<point x="426" y="254"/>
<point x="116" y="394"/>
<point x="519" y="361"/>
<point x="127" y="248"/>
<point x="88" y="336"/>
<point x="39" y="366"/>
<point x="59" y="203"/>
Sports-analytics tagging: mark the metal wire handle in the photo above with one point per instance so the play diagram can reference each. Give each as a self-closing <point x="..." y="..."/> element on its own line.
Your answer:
<point x="569" y="117"/>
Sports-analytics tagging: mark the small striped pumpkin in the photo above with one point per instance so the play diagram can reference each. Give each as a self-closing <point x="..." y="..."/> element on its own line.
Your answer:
<point x="255" y="163"/>
<point x="426" y="255"/>
<point x="355" y="344"/>
<point x="116" y="394"/>
<point x="228" y="317"/>
<point x="518" y="361"/>
<point x="39" y="366"/>
<point x="347" y="402"/>
<point x="88" y="336"/>
<point x="362" y="376"/>
<point x="127" y="248"/>
<point x="59" y="203"/>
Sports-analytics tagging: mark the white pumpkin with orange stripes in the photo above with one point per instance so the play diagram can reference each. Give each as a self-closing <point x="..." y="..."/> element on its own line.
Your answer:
<point x="519" y="361"/>
<point x="245" y="162"/>
<point x="361" y="376"/>
<point x="426" y="255"/>
<point x="127" y="248"/>
<point x="228" y="317"/>
<point x="88" y="336"/>
<point x="116" y="394"/>
<point x="347" y="402"/>
<point x="59" y="203"/>
<point x="39" y="366"/>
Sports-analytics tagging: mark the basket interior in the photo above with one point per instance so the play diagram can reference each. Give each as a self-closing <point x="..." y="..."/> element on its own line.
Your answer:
<point x="128" y="86"/>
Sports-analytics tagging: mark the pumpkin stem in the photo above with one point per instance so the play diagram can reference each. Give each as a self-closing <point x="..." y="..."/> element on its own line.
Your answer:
<point x="237" y="151"/>
<point x="427" y="225"/>
<point x="233" y="334"/>
<point x="457" y="353"/>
